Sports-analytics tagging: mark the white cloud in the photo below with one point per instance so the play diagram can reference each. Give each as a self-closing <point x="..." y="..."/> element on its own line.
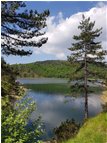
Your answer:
<point x="101" y="4"/>
<point x="60" y="31"/>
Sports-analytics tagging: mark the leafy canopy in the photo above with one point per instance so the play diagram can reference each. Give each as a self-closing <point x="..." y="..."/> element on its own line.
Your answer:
<point x="15" y="128"/>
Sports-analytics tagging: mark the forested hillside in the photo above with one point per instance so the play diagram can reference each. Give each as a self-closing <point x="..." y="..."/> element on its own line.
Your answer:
<point x="53" y="68"/>
<point x="44" y="69"/>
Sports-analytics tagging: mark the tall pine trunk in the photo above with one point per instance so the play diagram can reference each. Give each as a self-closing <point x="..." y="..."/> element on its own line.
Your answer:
<point x="85" y="86"/>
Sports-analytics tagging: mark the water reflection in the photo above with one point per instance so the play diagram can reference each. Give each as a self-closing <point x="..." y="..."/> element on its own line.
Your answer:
<point x="42" y="80"/>
<point x="54" y="109"/>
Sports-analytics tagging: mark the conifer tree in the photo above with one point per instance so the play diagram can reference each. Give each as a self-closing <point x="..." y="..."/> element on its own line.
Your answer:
<point x="86" y="51"/>
<point x="17" y="32"/>
<point x="19" y="28"/>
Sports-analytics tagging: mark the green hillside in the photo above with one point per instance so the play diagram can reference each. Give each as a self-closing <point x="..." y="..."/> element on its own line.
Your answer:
<point x="51" y="68"/>
<point x="93" y="131"/>
<point x="44" y="69"/>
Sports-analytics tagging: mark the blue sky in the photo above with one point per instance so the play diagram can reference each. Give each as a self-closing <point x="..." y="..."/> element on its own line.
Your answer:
<point x="68" y="8"/>
<point x="60" y="31"/>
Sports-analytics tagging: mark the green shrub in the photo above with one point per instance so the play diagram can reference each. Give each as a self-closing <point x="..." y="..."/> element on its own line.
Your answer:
<point x="14" y="127"/>
<point x="66" y="130"/>
<point x="104" y="106"/>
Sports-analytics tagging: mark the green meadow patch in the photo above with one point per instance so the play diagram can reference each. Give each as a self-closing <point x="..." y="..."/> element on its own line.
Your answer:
<point x="93" y="131"/>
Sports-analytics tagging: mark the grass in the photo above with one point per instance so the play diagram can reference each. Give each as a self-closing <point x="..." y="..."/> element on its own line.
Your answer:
<point x="93" y="131"/>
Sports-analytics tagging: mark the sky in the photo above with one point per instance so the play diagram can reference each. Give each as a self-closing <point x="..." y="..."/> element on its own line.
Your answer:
<point x="62" y="24"/>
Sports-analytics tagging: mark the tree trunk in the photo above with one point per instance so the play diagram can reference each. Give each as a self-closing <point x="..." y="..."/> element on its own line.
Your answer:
<point x="86" y="104"/>
<point x="85" y="87"/>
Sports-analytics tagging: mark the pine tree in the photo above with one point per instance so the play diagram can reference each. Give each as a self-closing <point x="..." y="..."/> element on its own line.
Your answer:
<point x="84" y="52"/>
<point x="18" y="28"/>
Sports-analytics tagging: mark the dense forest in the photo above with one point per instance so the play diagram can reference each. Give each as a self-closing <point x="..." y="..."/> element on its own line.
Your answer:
<point x="53" y="68"/>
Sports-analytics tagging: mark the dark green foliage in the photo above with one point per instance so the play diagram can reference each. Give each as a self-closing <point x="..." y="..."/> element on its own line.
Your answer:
<point x="8" y="85"/>
<point x="66" y="130"/>
<point x="18" y="28"/>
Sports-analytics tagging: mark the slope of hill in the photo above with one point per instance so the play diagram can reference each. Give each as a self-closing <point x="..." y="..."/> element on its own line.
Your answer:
<point x="93" y="131"/>
<point x="51" y="68"/>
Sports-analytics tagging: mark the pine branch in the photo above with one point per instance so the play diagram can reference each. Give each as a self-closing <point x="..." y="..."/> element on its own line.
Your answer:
<point x="8" y="50"/>
<point x="24" y="26"/>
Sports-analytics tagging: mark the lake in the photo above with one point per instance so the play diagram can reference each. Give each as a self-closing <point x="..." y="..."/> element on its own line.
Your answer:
<point x="54" y="105"/>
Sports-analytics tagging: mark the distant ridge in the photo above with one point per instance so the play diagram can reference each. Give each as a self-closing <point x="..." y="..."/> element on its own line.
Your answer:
<point x="50" y="68"/>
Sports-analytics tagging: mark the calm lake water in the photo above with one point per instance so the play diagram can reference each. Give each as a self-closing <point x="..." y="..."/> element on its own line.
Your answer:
<point x="57" y="107"/>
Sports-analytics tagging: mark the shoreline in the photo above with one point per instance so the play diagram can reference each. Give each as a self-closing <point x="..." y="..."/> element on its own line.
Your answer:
<point x="104" y="97"/>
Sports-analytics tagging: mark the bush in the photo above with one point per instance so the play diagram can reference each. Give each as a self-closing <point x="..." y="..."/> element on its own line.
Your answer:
<point x="15" y="127"/>
<point x="66" y="130"/>
<point x="104" y="106"/>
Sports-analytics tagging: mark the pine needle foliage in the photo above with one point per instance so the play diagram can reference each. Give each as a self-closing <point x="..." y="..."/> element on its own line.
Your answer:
<point x="86" y="51"/>
<point x="21" y="29"/>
